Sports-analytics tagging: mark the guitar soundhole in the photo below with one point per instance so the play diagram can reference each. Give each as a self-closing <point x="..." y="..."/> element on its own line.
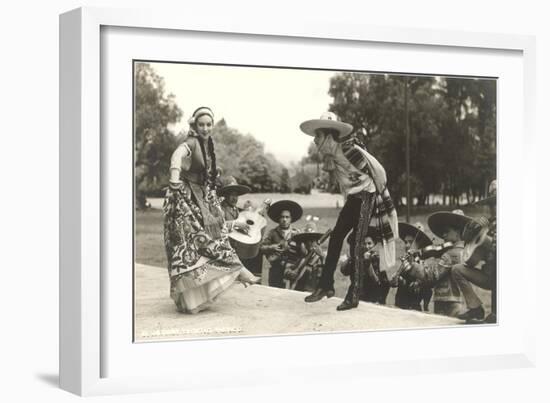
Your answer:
<point x="250" y="222"/>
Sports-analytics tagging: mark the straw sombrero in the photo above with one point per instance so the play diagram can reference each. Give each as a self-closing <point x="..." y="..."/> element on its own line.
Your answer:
<point x="276" y="208"/>
<point x="439" y="221"/>
<point x="491" y="196"/>
<point x="328" y="120"/>
<point x="229" y="184"/>
<point x="309" y="233"/>
<point x="415" y="230"/>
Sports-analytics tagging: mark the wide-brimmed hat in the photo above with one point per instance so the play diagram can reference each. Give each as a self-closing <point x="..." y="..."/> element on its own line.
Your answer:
<point x="441" y="220"/>
<point x="274" y="211"/>
<point x="491" y="194"/>
<point x="229" y="184"/>
<point x="328" y="120"/>
<point x="308" y="234"/>
<point x="416" y="230"/>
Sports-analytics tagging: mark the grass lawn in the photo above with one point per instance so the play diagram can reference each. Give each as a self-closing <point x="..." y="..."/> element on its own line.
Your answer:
<point x="150" y="246"/>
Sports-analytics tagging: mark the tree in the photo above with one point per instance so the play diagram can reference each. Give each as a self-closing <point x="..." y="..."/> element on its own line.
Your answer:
<point x="154" y="143"/>
<point x="244" y="157"/>
<point x="285" y="182"/>
<point x="452" y="129"/>
<point x="302" y="183"/>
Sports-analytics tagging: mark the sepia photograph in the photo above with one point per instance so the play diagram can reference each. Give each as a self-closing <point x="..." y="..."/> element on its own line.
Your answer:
<point x="272" y="201"/>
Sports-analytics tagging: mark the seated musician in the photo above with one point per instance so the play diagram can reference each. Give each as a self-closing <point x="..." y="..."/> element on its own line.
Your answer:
<point x="408" y="295"/>
<point x="306" y="242"/>
<point x="230" y="190"/>
<point x="277" y="245"/>
<point x="375" y="285"/>
<point x="483" y="274"/>
<point x="448" y="226"/>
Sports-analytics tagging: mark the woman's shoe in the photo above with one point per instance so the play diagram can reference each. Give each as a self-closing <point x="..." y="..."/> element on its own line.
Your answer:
<point x="247" y="278"/>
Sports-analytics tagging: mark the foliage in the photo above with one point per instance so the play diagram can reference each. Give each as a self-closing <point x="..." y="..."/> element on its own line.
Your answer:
<point x="154" y="143"/>
<point x="244" y="157"/>
<point x="451" y="124"/>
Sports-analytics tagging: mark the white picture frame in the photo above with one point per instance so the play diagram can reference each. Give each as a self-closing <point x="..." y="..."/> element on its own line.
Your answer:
<point x="84" y="347"/>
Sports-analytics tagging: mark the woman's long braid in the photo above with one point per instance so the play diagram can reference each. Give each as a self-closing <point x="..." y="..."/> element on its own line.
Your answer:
<point x="214" y="169"/>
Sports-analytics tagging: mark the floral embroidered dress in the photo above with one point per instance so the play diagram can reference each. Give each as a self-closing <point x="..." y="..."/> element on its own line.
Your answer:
<point x="201" y="262"/>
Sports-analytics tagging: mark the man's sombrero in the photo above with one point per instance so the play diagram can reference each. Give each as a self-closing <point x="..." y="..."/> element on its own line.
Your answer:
<point x="438" y="222"/>
<point x="309" y="233"/>
<point x="229" y="184"/>
<point x="328" y="120"/>
<point x="276" y="208"/>
<point x="491" y="195"/>
<point x="415" y="230"/>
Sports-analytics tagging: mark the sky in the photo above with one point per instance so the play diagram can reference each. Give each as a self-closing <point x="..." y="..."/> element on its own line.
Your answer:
<point x="268" y="103"/>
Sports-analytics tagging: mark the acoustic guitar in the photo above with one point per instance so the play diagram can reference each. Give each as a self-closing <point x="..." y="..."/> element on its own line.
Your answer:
<point x="247" y="245"/>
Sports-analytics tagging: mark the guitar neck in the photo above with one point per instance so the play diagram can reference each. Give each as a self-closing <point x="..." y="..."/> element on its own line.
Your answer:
<point x="324" y="237"/>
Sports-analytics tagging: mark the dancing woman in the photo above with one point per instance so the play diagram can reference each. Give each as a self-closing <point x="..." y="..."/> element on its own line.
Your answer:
<point x="201" y="262"/>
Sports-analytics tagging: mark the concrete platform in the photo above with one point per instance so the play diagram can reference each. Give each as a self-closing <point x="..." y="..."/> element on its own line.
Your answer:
<point x="258" y="310"/>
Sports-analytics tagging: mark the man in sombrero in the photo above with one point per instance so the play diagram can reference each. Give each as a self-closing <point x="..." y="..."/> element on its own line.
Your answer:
<point x="277" y="245"/>
<point x="362" y="180"/>
<point x="306" y="243"/>
<point x="407" y="296"/>
<point x="447" y="225"/>
<point x="231" y="190"/>
<point x="484" y="276"/>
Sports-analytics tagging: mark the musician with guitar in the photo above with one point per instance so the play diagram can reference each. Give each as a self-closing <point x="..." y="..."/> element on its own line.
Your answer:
<point x="230" y="191"/>
<point x="449" y="227"/>
<point x="480" y="262"/>
<point x="278" y="245"/>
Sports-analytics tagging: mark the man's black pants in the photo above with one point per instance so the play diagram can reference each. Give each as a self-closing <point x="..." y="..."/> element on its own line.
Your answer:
<point x="348" y="220"/>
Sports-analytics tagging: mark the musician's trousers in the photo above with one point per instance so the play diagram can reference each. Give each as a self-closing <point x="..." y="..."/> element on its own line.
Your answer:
<point x="348" y="219"/>
<point x="465" y="277"/>
<point x="275" y="277"/>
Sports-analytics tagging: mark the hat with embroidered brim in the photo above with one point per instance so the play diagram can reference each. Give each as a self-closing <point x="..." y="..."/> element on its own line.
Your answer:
<point x="309" y="233"/>
<point x="328" y="120"/>
<point x="491" y="195"/>
<point x="440" y="221"/>
<point x="275" y="210"/>
<point x="415" y="230"/>
<point x="229" y="185"/>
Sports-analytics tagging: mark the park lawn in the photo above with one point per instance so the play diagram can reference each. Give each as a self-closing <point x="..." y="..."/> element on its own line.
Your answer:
<point x="150" y="246"/>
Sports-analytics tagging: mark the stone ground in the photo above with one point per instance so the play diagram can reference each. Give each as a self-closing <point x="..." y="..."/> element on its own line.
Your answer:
<point x="258" y="310"/>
